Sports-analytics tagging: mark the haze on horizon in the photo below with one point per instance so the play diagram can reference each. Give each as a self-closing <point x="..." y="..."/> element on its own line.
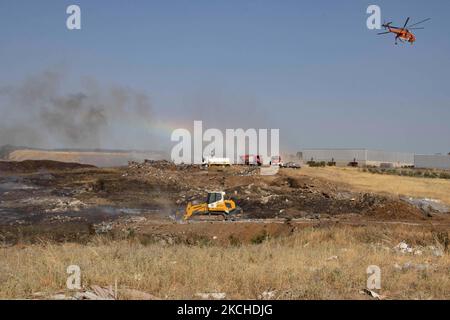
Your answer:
<point x="311" y="69"/>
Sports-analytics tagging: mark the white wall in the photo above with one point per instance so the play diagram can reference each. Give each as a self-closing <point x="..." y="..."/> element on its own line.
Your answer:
<point x="432" y="161"/>
<point x="362" y="156"/>
<point x="396" y="158"/>
<point x="339" y="155"/>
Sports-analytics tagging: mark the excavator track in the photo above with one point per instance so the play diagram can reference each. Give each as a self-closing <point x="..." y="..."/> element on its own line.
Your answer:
<point x="235" y="215"/>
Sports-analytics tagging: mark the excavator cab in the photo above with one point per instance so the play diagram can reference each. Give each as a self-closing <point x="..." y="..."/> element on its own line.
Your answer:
<point x="215" y="205"/>
<point x="215" y="199"/>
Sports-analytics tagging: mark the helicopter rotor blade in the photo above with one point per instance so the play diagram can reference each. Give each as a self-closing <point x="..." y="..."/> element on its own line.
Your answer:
<point x="406" y="23"/>
<point x="415" y="24"/>
<point x="383" y="33"/>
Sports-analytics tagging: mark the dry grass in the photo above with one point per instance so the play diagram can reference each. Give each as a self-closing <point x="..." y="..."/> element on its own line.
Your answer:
<point x="297" y="266"/>
<point x="394" y="185"/>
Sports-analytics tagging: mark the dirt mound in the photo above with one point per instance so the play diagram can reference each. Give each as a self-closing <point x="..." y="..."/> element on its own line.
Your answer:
<point x="396" y="210"/>
<point x="214" y="233"/>
<point x="96" y="157"/>
<point x="39" y="165"/>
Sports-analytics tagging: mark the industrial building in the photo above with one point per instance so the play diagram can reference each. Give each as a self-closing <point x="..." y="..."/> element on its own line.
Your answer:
<point x="435" y="161"/>
<point x="364" y="157"/>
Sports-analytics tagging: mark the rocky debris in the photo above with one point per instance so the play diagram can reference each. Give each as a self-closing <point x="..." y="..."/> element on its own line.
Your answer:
<point x="162" y="173"/>
<point x="372" y="294"/>
<point x="246" y="171"/>
<point x="134" y="219"/>
<point x="280" y="195"/>
<point x="211" y="295"/>
<point x="269" y="201"/>
<point x="64" y="205"/>
<point x="428" y="206"/>
<point x="95" y="292"/>
<point x="52" y="204"/>
<point x="267" y="295"/>
<point x="411" y="266"/>
<point x="266" y="199"/>
<point x="57" y="296"/>
<point x="437" y="252"/>
<point x="332" y="258"/>
<point x="103" y="227"/>
<point x="160" y="164"/>
<point x="63" y="218"/>
<point x="405" y="248"/>
<point x="269" y="171"/>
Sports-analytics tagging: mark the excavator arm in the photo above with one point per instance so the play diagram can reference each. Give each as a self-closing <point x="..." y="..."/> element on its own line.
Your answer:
<point x="195" y="209"/>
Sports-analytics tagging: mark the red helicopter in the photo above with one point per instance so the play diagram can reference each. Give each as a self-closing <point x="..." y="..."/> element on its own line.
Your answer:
<point x="403" y="34"/>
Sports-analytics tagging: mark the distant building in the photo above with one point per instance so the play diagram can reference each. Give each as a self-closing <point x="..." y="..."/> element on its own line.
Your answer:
<point x="436" y="161"/>
<point x="363" y="157"/>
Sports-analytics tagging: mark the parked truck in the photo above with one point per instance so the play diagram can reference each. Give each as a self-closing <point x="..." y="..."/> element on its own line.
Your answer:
<point x="251" y="160"/>
<point x="214" y="161"/>
<point x="276" y="161"/>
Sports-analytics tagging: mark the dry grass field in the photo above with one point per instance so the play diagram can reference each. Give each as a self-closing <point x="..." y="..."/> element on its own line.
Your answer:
<point x="323" y="263"/>
<point x="388" y="184"/>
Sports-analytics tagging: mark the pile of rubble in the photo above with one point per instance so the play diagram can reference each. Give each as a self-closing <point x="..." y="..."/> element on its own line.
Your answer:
<point x="160" y="164"/>
<point x="428" y="206"/>
<point x="162" y="172"/>
<point x="53" y="204"/>
<point x="267" y="197"/>
<point x="405" y="248"/>
<point x="95" y="292"/>
<point x="248" y="171"/>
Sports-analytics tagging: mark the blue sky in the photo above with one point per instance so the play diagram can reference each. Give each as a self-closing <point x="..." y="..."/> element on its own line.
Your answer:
<point x="310" y="68"/>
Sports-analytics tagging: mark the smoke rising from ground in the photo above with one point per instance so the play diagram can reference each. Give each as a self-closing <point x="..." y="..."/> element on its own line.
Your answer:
<point x="37" y="113"/>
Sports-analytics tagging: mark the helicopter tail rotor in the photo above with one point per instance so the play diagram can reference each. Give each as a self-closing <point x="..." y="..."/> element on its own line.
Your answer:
<point x="385" y="25"/>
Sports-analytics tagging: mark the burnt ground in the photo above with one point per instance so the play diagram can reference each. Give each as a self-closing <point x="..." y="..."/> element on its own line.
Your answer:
<point x="48" y="200"/>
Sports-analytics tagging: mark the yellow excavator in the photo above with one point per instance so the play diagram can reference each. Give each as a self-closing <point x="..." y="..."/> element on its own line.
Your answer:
<point x="215" y="205"/>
